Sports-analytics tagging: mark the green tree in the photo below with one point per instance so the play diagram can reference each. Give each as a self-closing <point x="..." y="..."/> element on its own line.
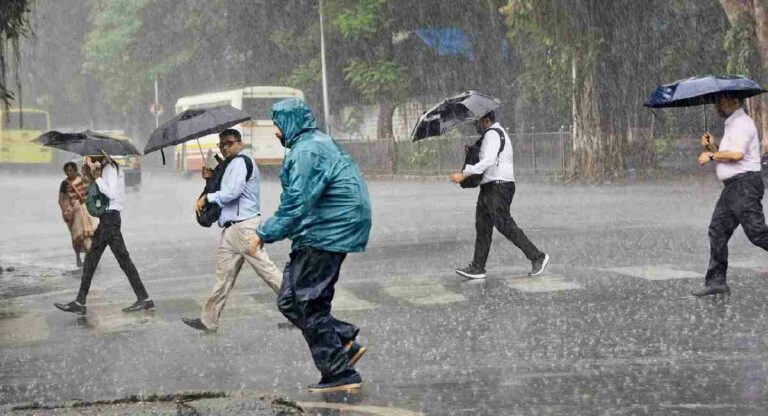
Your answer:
<point x="602" y="58"/>
<point x="14" y="25"/>
<point x="747" y="48"/>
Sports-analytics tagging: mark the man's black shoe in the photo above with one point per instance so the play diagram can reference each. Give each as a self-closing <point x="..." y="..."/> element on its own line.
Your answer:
<point x="471" y="272"/>
<point x="73" y="307"/>
<point x="539" y="265"/>
<point x="355" y="351"/>
<point x="340" y="384"/>
<point x="140" y="305"/>
<point x="197" y="323"/>
<point x="711" y="290"/>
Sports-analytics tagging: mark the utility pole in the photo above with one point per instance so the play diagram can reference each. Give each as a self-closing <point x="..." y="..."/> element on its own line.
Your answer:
<point x="157" y="101"/>
<point x="326" y="109"/>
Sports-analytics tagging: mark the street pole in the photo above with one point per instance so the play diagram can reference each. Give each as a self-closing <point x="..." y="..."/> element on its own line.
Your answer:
<point x="326" y="109"/>
<point x="157" y="115"/>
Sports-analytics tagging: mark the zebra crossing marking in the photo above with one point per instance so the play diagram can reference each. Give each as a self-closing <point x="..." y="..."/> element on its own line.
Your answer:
<point x="757" y="265"/>
<point x="422" y="291"/>
<point x="655" y="272"/>
<point x="23" y="330"/>
<point x="546" y="283"/>
<point x="346" y="300"/>
<point x="108" y="318"/>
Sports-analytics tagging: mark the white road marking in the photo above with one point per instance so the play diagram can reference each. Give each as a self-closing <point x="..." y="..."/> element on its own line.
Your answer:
<point x="655" y="272"/>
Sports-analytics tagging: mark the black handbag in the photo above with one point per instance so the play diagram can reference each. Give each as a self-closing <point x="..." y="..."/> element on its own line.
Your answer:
<point x="472" y="157"/>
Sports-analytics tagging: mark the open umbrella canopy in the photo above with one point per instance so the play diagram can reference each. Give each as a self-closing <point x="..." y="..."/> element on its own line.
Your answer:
<point x="453" y="112"/>
<point x="194" y="123"/>
<point x="702" y="90"/>
<point x="87" y="143"/>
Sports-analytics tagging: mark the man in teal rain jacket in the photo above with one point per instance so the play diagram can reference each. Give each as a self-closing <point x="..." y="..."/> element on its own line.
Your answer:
<point x="325" y="210"/>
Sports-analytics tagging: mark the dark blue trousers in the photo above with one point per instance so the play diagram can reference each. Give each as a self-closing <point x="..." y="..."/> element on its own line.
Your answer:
<point x="305" y="299"/>
<point x="740" y="203"/>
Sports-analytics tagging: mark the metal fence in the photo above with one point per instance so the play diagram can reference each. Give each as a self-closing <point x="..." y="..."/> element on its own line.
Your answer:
<point x="535" y="154"/>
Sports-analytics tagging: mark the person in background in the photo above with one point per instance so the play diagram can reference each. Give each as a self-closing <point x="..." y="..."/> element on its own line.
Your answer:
<point x="497" y="188"/>
<point x="72" y="204"/>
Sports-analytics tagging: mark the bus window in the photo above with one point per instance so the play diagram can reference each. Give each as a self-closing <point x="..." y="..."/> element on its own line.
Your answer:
<point x="31" y="120"/>
<point x="260" y="108"/>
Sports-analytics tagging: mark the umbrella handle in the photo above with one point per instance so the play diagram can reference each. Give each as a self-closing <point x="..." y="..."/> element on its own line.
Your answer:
<point x="201" y="152"/>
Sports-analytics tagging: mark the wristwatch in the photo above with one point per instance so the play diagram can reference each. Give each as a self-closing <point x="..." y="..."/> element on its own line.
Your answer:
<point x="711" y="155"/>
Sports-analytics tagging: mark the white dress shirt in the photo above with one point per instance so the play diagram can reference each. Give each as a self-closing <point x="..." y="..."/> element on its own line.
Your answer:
<point x="494" y="168"/>
<point x="740" y="136"/>
<point x="112" y="184"/>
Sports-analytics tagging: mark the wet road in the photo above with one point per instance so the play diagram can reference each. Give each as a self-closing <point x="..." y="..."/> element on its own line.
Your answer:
<point x="610" y="330"/>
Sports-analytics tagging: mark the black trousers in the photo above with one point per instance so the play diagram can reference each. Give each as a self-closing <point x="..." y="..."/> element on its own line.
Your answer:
<point x="493" y="205"/>
<point x="305" y="299"/>
<point x="108" y="234"/>
<point x="740" y="203"/>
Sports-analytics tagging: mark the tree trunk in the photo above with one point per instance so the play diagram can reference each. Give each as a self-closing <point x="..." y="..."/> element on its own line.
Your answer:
<point x="756" y="13"/>
<point x="384" y="121"/>
<point x="597" y="152"/>
<point x="761" y="40"/>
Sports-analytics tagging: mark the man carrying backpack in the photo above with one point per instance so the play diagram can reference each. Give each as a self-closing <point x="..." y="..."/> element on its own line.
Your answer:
<point x="497" y="187"/>
<point x="110" y="180"/>
<point x="240" y="202"/>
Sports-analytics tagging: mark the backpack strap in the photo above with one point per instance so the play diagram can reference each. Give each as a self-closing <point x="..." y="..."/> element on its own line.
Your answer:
<point x="500" y="132"/>
<point x="248" y="173"/>
<point x="248" y="166"/>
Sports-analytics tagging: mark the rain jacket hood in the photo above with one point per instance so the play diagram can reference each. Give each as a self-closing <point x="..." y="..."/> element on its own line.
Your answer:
<point x="294" y="118"/>
<point x="324" y="203"/>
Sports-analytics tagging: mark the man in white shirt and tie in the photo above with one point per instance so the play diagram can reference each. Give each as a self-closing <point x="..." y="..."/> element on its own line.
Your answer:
<point x="497" y="188"/>
<point x="111" y="182"/>
<point x="740" y="202"/>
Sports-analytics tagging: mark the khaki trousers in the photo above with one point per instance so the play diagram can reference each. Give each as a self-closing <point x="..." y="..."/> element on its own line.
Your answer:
<point x="233" y="252"/>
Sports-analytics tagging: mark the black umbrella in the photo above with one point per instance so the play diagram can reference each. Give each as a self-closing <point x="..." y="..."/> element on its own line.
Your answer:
<point x="697" y="91"/>
<point x="702" y="90"/>
<point x="453" y="112"/>
<point x="193" y="124"/>
<point x="87" y="143"/>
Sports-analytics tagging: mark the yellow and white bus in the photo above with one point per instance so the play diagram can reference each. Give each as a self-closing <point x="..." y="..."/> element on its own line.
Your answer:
<point x="16" y="145"/>
<point x="258" y="133"/>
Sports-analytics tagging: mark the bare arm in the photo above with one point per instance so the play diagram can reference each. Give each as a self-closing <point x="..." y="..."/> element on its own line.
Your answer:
<point x="63" y="201"/>
<point x="727" y="156"/>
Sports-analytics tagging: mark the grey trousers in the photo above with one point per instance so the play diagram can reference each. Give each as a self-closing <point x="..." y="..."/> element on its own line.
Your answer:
<point x="233" y="252"/>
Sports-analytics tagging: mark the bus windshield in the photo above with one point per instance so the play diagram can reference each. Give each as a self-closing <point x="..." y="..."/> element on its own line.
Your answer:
<point x="31" y="121"/>
<point x="260" y="108"/>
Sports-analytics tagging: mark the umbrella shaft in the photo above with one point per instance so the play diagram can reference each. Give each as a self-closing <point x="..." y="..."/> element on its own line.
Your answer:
<point x="201" y="152"/>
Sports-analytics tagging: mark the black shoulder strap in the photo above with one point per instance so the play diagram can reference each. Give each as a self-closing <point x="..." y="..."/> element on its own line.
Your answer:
<point x="248" y="166"/>
<point x="500" y="132"/>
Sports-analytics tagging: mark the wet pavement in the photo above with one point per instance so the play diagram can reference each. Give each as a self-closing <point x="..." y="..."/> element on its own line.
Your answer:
<point x="609" y="330"/>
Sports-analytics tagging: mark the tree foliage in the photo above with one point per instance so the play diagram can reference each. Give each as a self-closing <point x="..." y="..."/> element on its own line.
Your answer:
<point x="14" y="25"/>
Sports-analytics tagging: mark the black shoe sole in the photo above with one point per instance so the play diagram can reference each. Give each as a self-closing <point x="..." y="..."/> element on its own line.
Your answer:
<point x="343" y="387"/>
<point x="148" y="307"/>
<point x="81" y="313"/>
<point x="193" y="326"/>
<point x="705" y="294"/>
<point x="470" y="276"/>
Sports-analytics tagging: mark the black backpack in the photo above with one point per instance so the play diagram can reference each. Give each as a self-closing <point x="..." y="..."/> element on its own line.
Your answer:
<point x="473" y="157"/>
<point x="212" y="211"/>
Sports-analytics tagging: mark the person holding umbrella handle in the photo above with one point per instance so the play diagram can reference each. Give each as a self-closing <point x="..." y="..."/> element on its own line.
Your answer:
<point x="737" y="160"/>
<point x="111" y="182"/>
